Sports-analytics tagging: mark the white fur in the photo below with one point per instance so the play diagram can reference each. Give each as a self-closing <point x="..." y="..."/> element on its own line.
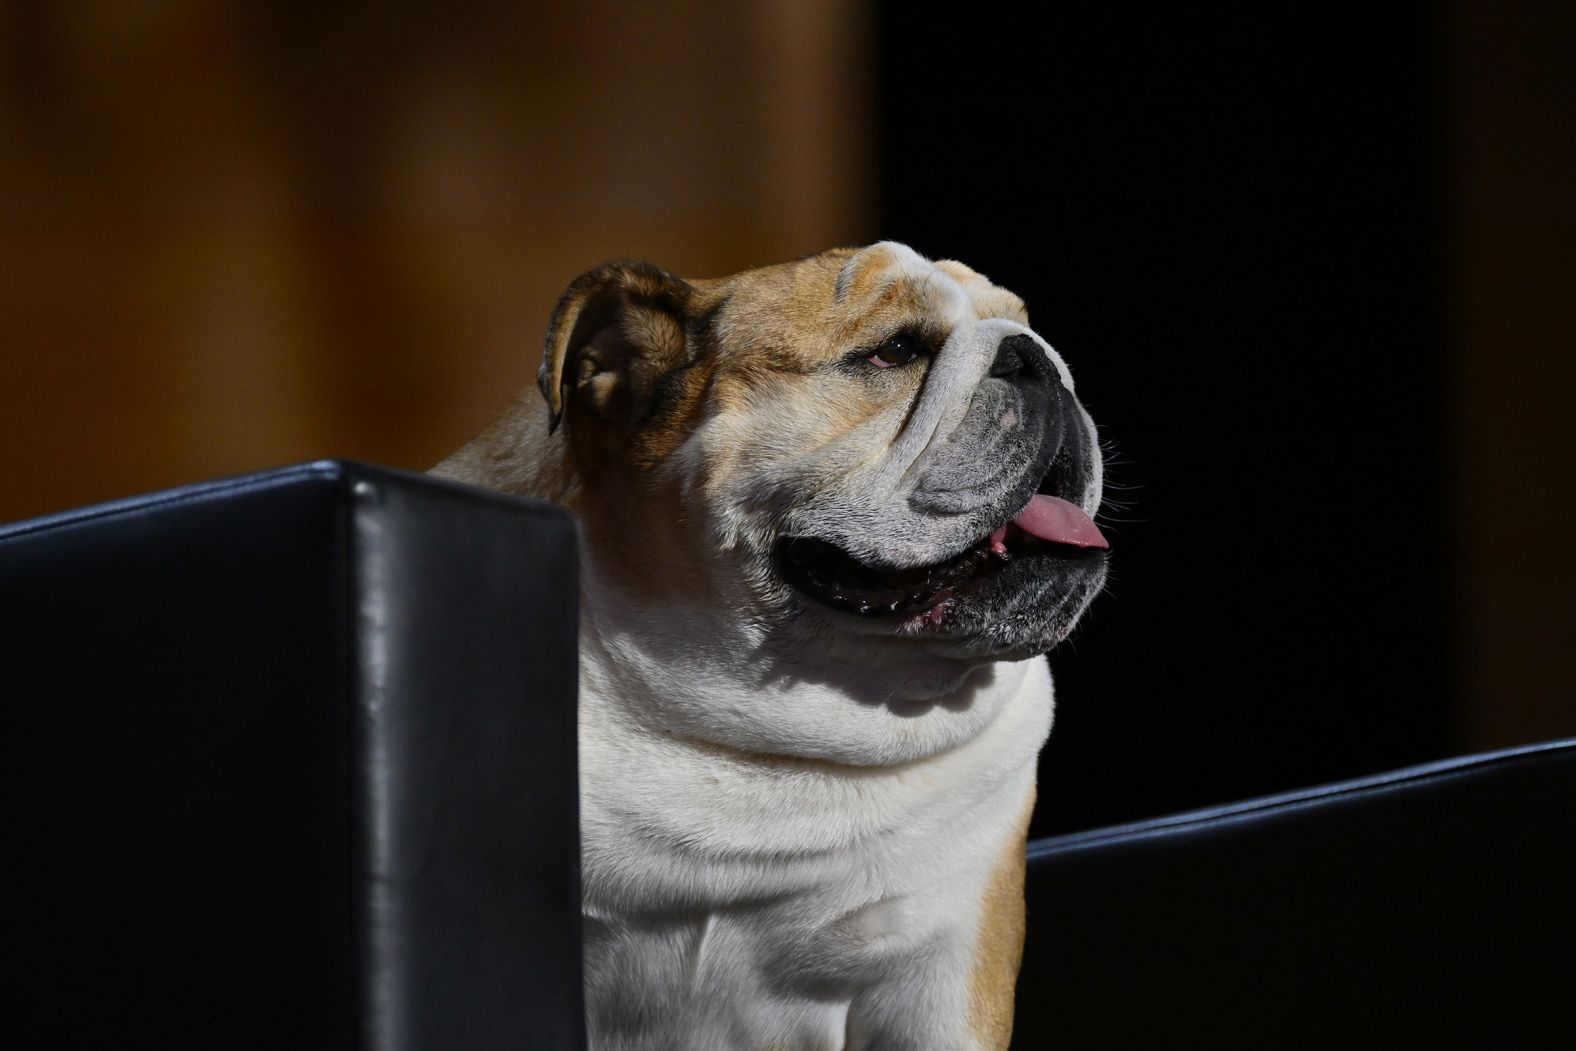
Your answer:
<point x="748" y="900"/>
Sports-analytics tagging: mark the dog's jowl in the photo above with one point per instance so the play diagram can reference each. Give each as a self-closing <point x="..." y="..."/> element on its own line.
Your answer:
<point x="832" y="512"/>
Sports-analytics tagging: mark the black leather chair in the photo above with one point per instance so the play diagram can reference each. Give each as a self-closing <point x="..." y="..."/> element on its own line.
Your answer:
<point x="1433" y="907"/>
<point x="291" y="764"/>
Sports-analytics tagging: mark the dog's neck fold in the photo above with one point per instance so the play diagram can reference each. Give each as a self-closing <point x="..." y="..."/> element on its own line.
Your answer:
<point x="708" y="674"/>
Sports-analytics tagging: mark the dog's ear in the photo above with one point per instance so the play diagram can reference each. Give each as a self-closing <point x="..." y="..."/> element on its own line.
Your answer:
<point x="616" y="331"/>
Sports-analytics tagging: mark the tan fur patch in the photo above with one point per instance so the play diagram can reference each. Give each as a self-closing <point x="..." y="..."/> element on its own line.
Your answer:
<point x="635" y="519"/>
<point x="987" y="299"/>
<point x="516" y="453"/>
<point x="999" y="951"/>
<point x="761" y="342"/>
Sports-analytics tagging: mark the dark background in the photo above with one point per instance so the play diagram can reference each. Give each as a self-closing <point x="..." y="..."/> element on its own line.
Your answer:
<point x="1229" y="224"/>
<point x="1313" y="268"/>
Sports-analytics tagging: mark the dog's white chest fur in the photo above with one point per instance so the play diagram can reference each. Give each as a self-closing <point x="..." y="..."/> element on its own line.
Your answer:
<point x="738" y="901"/>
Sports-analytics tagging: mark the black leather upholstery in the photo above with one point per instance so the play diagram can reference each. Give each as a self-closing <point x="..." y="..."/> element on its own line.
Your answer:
<point x="1429" y="908"/>
<point x="290" y="764"/>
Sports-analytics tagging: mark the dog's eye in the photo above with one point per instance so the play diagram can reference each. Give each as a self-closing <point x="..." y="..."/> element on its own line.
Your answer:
<point x="899" y="350"/>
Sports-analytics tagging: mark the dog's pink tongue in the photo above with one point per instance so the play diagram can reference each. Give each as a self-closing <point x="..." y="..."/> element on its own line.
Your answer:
<point x="1059" y="521"/>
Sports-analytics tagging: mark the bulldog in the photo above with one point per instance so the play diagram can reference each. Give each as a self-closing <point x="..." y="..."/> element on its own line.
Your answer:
<point x="832" y="514"/>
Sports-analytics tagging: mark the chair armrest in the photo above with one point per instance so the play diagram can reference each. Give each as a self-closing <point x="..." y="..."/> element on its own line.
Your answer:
<point x="1431" y="907"/>
<point x="291" y="764"/>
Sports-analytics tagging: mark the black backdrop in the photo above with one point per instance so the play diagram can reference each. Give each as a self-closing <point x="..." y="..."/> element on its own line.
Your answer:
<point x="1226" y="222"/>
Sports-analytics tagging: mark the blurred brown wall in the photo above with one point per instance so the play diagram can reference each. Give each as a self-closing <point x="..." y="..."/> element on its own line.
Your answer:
<point x="1511" y="317"/>
<point x="237" y="235"/>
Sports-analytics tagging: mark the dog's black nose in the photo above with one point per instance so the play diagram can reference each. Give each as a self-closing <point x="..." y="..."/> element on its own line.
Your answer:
<point x="1020" y="360"/>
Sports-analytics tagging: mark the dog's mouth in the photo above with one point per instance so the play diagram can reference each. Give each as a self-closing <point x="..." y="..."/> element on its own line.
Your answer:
<point x="1049" y="527"/>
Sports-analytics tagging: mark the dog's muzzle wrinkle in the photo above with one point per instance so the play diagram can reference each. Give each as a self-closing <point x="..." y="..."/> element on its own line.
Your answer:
<point x="992" y="467"/>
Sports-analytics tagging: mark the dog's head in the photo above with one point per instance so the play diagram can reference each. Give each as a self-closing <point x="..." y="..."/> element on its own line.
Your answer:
<point x="861" y="442"/>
